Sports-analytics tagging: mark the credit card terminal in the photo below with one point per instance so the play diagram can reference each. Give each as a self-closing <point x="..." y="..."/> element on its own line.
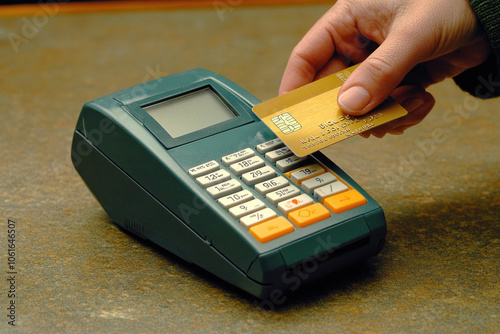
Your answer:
<point x="184" y="162"/>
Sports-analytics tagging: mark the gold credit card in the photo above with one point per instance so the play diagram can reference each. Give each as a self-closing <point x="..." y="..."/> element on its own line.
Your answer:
<point x="308" y="118"/>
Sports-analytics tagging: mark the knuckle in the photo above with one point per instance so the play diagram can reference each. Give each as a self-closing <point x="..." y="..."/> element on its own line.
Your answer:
<point x="381" y="67"/>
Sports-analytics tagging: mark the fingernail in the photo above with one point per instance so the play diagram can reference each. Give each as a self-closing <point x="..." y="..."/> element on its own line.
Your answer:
<point x="354" y="100"/>
<point x="396" y="132"/>
<point x="412" y="104"/>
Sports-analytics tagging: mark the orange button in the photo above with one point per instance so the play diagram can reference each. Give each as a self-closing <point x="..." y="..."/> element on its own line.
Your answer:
<point x="345" y="201"/>
<point x="309" y="215"/>
<point x="271" y="229"/>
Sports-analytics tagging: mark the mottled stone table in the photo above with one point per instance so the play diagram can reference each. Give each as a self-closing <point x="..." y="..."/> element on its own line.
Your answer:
<point x="77" y="272"/>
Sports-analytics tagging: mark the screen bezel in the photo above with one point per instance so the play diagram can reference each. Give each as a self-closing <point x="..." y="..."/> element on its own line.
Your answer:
<point x="237" y="106"/>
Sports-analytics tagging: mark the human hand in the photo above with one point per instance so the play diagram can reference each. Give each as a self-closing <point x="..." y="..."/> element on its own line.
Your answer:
<point x="415" y="100"/>
<point x="409" y="43"/>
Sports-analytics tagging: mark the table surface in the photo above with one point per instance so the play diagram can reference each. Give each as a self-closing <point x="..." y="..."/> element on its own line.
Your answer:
<point x="77" y="272"/>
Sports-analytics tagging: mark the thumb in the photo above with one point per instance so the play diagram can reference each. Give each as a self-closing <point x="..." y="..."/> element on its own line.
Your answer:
<point x="377" y="76"/>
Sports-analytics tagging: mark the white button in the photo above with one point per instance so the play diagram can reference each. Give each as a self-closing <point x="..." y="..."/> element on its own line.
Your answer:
<point x="329" y="190"/>
<point x="294" y="203"/>
<point x="257" y="217"/>
<point x="258" y="175"/>
<point x="269" y="145"/>
<point x="238" y="156"/>
<point x="290" y="163"/>
<point x="306" y="173"/>
<point x="278" y="154"/>
<point x="318" y="181"/>
<point x="247" y="165"/>
<point x="213" y="178"/>
<point x="235" y="199"/>
<point x="205" y="168"/>
<point x="271" y="185"/>
<point x="246" y="208"/>
<point x="224" y="188"/>
<point x="282" y="194"/>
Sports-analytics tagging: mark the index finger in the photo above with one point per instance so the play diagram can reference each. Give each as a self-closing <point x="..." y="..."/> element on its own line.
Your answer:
<point x="309" y="56"/>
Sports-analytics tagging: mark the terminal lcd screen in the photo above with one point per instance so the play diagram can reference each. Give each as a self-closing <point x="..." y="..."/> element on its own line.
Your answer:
<point x="190" y="112"/>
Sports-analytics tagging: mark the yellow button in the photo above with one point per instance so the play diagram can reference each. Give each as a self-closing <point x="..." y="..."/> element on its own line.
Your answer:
<point x="345" y="201"/>
<point x="309" y="215"/>
<point x="271" y="229"/>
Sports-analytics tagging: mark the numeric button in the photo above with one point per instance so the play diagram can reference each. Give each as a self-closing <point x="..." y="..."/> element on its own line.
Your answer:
<point x="306" y="173"/>
<point x="235" y="199"/>
<point x="280" y="153"/>
<point x="246" y="208"/>
<point x="271" y="185"/>
<point x="237" y="156"/>
<point x="330" y="189"/>
<point x="290" y="163"/>
<point x="213" y="178"/>
<point x="203" y="169"/>
<point x="257" y="217"/>
<point x="224" y="188"/>
<point x="282" y="194"/>
<point x="258" y="175"/>
<point x="269" y="145"/>
<point x="247" y="165"/>
<point x="318" y="181"/>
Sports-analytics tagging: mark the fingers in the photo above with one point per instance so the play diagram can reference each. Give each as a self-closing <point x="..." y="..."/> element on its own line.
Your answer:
<point x="305" y="60"/>
<point x="379" y="75"/>
<point x="314" y="55"/>
<point x="416" y="101"/>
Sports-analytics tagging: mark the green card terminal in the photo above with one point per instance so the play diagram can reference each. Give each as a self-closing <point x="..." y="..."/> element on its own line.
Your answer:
<point x="184" y="162"/>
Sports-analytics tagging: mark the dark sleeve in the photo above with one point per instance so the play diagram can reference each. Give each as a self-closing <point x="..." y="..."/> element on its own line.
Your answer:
<point x="483" y="81"/>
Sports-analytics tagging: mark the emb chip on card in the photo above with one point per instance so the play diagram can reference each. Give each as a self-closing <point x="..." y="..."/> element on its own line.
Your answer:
<point x="308" y="118"/>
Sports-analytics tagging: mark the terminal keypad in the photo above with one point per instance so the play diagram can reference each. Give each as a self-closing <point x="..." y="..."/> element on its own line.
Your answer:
<point x="272" y="192"/>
